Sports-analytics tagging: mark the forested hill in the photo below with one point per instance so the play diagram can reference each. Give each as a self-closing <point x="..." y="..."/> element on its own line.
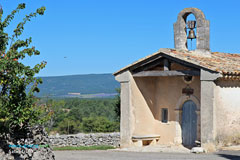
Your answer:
<point x="83" y="86"/>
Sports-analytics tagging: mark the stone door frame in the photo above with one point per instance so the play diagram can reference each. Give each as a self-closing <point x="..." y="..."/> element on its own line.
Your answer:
<point x="178" y="112"/>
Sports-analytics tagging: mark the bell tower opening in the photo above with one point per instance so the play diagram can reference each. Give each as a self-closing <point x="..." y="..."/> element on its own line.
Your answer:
<point x="191" y="31"/>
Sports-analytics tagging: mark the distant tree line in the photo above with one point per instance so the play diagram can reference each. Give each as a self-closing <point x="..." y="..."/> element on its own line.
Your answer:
<point x="69" y="116"/>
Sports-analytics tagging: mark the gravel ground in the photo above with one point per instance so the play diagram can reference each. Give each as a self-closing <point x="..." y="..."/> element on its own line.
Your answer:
<point x="120" y="155"/>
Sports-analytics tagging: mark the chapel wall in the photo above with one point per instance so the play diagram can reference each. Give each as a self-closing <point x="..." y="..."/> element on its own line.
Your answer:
<point x="143" y="90"/>
<point x="169" y="95"/>
<point x="169" y="91"/>
<point x="227" y="102"/>
<point x="149" y="96"/>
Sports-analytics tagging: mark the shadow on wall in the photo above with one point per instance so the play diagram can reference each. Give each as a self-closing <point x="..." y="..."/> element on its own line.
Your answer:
<point x="147" y="91"/>
<point x="228" y="84"/>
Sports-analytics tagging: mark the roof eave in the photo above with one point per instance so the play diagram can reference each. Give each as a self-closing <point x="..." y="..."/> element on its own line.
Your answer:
<point x="166" y="52"/>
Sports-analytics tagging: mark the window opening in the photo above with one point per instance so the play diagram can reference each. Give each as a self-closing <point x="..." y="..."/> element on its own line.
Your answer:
<point x="164" y="115"/>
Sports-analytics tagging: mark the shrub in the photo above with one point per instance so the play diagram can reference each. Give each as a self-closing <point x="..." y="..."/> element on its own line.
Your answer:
<point x="98" y="124"/>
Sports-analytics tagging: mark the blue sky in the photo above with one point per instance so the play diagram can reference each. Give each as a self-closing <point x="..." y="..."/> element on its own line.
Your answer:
<point x="102" y="36"/>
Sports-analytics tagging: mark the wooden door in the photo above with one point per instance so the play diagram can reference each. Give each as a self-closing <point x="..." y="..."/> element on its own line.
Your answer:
<point x="189" y="124"/>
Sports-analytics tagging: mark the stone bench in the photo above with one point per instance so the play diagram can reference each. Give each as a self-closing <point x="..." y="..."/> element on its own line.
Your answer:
<point x="144" y="140"/>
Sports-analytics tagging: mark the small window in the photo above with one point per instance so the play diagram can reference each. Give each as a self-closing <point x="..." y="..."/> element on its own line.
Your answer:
<point x="164" y="115"/>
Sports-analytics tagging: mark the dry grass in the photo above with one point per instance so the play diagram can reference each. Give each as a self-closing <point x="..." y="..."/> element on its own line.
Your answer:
<point x="229" y="140"/>
<point x="83" y="148"/>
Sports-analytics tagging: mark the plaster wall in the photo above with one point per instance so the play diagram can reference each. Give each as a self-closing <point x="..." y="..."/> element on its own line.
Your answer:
<point x="227" y="102"/>
<point x="143" y="91"/>
<point x="150" y="95"/>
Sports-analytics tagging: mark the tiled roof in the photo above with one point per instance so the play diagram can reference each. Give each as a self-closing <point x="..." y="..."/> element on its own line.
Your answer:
<point x="225" y="63"/>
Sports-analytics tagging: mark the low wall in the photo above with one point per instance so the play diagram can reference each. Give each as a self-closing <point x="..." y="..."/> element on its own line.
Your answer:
<point x="33" y="144"/>
<point x="81" y="139"/>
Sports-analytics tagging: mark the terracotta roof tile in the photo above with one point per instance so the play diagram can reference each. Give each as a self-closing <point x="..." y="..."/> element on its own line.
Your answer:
<point x="225" y="63"/>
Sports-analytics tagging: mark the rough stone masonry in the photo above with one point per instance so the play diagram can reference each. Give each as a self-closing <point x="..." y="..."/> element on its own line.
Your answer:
<point x="81" y="139"/>
<point x="34" y="145"/>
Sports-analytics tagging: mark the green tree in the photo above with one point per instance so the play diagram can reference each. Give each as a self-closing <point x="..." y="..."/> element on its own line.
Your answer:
<point x="87" y="115"/>
<point x="99" y="124"/>
<point x="17" y="108"/>
<point x="69" y="126"/>
<point x="117" y="108"/>
<point x="55" y="112"/>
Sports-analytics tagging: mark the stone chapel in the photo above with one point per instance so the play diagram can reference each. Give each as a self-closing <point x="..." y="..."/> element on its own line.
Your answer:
<point x="181" y="96"/>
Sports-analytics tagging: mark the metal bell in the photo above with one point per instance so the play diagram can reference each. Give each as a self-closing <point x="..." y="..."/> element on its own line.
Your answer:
<point x="191" y="34"/>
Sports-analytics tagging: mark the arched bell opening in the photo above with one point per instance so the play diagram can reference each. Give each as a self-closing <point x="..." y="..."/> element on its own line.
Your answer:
<point x="191" y="31"/>
<point x="201" y="29"/>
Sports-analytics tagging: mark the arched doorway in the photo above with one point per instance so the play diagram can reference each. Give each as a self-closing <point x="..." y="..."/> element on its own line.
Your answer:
<point x="189" y="124"/>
